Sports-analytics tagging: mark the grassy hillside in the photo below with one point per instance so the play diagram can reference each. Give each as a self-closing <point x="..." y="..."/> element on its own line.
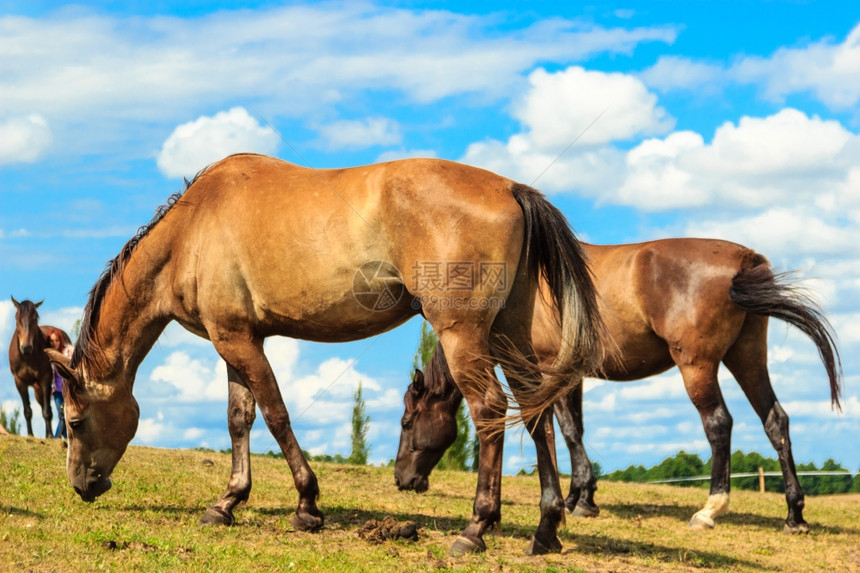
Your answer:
<point x="148" y="522"/>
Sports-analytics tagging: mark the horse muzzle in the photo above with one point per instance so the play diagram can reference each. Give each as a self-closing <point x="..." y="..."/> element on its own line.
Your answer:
<point x="26" y="349"/>
<point x="416" y="483"/>
<point x="93" y="488"/>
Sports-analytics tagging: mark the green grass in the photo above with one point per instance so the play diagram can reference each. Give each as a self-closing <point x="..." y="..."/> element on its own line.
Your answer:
<point x="148" y="522"/>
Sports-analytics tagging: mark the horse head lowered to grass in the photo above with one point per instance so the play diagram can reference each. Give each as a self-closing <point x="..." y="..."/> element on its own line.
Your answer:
<point x="690" y="303"/>
<point x="257" y="247"/>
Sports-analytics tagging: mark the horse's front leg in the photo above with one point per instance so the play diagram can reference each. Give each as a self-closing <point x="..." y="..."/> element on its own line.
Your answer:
<point x="241" y="411"/>
<point x="583" y="484"/>
<point x="24" y="392"/>
<point x="244" y="353"/>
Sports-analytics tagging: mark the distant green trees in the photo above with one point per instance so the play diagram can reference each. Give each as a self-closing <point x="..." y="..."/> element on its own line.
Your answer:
<point x="12" y="422"/>
<point x="691" y="465"/>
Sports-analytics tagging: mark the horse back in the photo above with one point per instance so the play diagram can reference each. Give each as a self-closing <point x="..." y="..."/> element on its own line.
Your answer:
<point x="656" y="298"/>
<point x="259" y="237"/>
<point x="671" y="296"/>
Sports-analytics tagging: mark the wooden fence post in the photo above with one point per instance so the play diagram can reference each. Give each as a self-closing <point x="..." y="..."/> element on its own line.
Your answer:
<point x="761" y="479"/>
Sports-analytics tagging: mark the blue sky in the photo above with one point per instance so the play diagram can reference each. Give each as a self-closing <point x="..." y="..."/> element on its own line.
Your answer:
<point x="736" y="120"/>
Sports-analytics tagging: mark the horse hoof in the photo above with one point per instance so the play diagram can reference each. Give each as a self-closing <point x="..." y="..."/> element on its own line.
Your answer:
<point x="701" y="522"/>
<point x="217" y="516"/>
<point x="539" y="548"/>
<point x="463" y="545"/>
<point x="307" y="522"/>
<point x="791" y="529"/>
<point x="585" y="511"/>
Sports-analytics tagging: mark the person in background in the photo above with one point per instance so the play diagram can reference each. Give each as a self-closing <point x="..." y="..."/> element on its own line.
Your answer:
<point x="57" y="342"/>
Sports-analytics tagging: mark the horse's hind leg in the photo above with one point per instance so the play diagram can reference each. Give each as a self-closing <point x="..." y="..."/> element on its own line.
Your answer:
<point x="583" y="484"/>
<point x="241" y="411"/>
<point x="700" y="380"/>
<point x="244" y="353"/>
<point x="747" y="361"/>
<point x="520" y="375"/>
<point x="47" y="412"/>
<point x="467" y="357"/>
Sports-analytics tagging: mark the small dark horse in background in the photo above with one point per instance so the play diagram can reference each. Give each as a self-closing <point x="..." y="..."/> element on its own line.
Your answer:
<point x="691" y="303"/>
<point x="29" y="364"/>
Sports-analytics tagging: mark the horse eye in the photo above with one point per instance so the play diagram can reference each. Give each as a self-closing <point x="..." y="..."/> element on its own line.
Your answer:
<point x="75" y="424"/>
<point x="406" y="422"/>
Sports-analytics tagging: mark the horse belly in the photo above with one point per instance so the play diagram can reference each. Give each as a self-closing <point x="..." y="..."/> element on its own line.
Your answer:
<point x="343" y="321"/>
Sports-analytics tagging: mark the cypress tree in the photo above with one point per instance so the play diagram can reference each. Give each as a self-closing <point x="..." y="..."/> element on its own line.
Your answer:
<point x="360" y="424"/>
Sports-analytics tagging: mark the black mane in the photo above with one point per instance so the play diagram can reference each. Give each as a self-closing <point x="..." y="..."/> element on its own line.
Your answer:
<point x="437" y="376"/>
<point x="88" y="349"/>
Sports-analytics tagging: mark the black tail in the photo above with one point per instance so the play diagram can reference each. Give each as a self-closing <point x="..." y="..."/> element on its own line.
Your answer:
<point x="759" y="291"/>
<point x="553" y="250"/>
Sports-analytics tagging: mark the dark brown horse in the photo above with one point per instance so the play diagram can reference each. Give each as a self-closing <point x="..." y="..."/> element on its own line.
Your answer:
<point x="690" y="303"/>
<point x="29" y="363"/>
<point x="257" y="247"/>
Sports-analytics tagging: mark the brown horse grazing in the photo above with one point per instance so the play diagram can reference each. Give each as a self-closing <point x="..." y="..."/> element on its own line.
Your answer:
<point x="29" y="363"/>
<point x="257" y="247"/>
<point x="691" y="303"/>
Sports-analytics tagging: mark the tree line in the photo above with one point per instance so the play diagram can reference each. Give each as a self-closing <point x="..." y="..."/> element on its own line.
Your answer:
<point x="683" y="465"/>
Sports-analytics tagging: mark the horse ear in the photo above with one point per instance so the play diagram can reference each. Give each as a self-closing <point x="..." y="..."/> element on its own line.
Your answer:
<point x="17" y="304"/>
<point x="61" y="363"/>
<point x="38" y="304"/>
<point x="417" y="385"/>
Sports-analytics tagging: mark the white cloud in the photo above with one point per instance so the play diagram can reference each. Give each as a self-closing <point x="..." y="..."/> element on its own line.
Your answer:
<point x="628" y="432"/>
<point x="829" y="71"/>
<point x="826" y="69"/>
<point x="822" y="408"/>
<point x="175" y="336"/>
<point x="359" y="134"/>
<point x="606" y="404"/>
<point x="16" y="233"/>
<point x="94" y="70"/>
<point x="283" y="354"/>
<point x="660" y="388"/>
<point x="326" y="396"/>
<point x="194" y="145"/>
<point x="589" y="107"/>
<point x="194" y="380"/>
<point x="193" y="434"/>
<point x="848" y="326"/>
<point x="787" y="157"/>
<point x="7" y="320"/>
<point x="64" y="318"/>
<point x="780" y="231"/>
<point x="23" y="139"/>
<point x="677" y="73"/>
<point x="561" y="106"/>
<point x="149" y="431"/>
<point x="667" y="448"/>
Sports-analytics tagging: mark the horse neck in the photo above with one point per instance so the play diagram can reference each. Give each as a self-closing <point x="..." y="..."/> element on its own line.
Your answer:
<point x="132" y="315"/>
<point x="439" y="380"/>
